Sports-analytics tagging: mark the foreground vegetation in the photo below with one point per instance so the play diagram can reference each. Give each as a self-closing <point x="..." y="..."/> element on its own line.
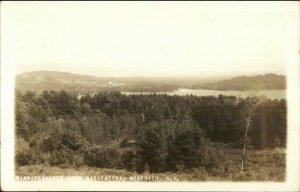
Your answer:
<point x="261" y="165"/>
<point x="157" y="134"/>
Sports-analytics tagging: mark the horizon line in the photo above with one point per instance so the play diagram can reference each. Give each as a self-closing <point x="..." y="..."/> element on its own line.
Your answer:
<point x="207" y="75"/>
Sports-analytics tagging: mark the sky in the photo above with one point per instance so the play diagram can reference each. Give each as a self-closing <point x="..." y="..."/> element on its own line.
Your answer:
<point x="148" y="38"/>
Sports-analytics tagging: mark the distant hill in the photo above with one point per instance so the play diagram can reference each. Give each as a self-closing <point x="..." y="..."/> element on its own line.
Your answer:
<point x="39" y="81"/>
<point x="84" y="84"/>
<point x="262" y="82"/>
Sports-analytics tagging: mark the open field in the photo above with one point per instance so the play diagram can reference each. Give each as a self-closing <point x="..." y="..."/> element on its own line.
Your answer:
<point x="261" y="165"/>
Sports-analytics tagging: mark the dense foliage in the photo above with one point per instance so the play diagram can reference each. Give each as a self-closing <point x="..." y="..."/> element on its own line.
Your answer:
<point x="154" y="133"/>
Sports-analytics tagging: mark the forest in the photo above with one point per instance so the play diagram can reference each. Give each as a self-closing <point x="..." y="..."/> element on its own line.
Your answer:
<point x="153" y="133"/>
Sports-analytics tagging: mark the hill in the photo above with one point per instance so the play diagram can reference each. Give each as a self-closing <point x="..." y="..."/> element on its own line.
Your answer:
<point x="85" y="84"/>
<point x="261" y="82"/>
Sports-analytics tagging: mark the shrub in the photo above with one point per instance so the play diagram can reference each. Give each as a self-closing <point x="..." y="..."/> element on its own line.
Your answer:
<point x="56" y="158"/>
<point x="71" y="141"/>
<point x="211" y="157"/>
<point x="199" y="174"/>
<point x="152" y="149"/>
<point x="190" y="149"/>
<point x="21" y="145"/>
<point x="23" y="158"/>
<point x="59" y="157"/>
<point x="104" y="158"/>
<point x="23" y="153"/>
<point x="50" y="144"/>
<point x="128" y="160"/>
<point x="78" y="159"/>
<point x="39" y="157"/>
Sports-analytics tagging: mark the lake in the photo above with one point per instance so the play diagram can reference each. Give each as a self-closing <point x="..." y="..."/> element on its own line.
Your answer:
<point x="272" y="94"/>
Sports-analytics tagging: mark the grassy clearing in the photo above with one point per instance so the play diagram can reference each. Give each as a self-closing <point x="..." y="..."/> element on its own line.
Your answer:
<point x="261" y="165"/>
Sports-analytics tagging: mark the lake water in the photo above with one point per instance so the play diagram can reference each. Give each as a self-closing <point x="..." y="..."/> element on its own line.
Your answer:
<point x="272" y="94"/>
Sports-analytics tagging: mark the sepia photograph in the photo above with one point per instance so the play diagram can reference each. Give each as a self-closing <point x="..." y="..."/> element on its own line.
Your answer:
<point x="150" y="96"/>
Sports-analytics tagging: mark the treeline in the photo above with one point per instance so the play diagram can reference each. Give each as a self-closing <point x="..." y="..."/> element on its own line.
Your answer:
<point x="140" y="132"/>
<point x="85" y="87"/>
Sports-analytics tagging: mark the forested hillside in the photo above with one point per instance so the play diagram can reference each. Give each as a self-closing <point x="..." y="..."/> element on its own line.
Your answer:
<point x="39" y="81"/>
<point x="155" y="133"/>
<point x="259" y="82"/>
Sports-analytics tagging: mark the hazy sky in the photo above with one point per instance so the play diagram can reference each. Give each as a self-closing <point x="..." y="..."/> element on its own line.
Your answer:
<point x="148" y="38"/>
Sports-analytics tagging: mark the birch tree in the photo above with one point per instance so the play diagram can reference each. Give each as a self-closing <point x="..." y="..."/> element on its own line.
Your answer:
<point x="253" y="103"/>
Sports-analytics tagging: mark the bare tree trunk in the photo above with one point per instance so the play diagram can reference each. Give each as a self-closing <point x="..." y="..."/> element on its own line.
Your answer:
<point x="245" y="142"/>
<point x="248" y="121"/>
<point x="143" y="120"/>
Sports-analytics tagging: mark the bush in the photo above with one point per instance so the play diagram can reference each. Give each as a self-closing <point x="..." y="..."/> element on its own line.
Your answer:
<point x="78" y="159"/>
<point x="104" y="158"/>
<point x="199" y="174"/>
<point x="21" y="145"/>
<point x="57" y="158"/>
<point x="211" y="157"/>
<point x="23" y="158"/>
<point x="71" y="141"/>
<point x="50" y="144"/>
<point x="51" y="148"/>
<point x="128" y="160"/>
<point x="23" y="153"/>
<point x="152" y="149"/>
<point x="63" y="156"/>
<point x="190" y="149"/>
<point x="39" y="157"/>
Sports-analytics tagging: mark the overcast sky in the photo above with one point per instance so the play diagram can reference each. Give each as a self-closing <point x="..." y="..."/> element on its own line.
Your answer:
<point x="148" y="38"/>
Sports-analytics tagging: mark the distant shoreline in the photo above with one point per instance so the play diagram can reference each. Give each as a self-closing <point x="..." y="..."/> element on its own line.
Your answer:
<point x="272" y="94"/>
